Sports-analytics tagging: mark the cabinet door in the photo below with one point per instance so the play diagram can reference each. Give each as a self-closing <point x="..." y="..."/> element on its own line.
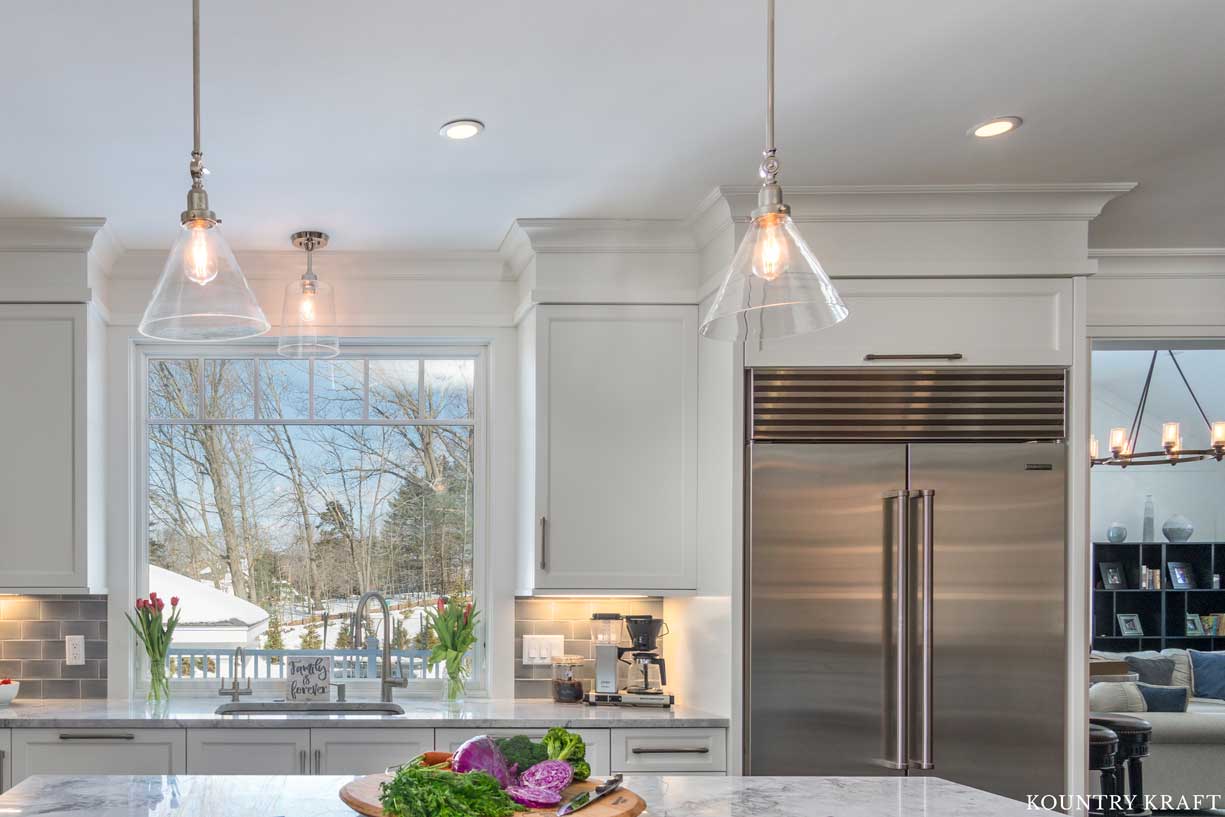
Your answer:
<point x="616" y="436"/>
<point x="42" y="435"/>
<point x="596" y="741"/>
<point x="366" y="751"/>
<point x="6" y="759"/>
<point x="989" y="322"/>
<point x="97" y="751"/>
<point x="248" y="751"/>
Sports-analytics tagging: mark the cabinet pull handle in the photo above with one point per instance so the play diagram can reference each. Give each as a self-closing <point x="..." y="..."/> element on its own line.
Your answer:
<point x="544" y="543"/>
<point x="302" y="761"/>
<point x="318" y="761"/>
<point x="952" y="356"/>
<point x="117" y="736"/>
<point x="693" y="750"/>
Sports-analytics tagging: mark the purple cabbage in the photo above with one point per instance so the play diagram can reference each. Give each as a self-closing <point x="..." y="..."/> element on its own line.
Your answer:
<point x="553" y="775"/>
<point x="533" y="796"/>
<point x="481" y="754"/>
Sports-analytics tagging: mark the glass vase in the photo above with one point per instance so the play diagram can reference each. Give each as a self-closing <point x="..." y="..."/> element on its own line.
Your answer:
<point x="457" y="680"/>
<point x="159" y="683"/>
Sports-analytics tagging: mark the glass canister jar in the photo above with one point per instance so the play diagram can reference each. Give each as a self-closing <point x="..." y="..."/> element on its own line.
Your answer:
<point x="567" y="686"/>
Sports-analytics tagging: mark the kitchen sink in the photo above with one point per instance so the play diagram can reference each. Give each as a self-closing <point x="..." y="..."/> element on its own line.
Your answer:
<point x="322" y="707"/>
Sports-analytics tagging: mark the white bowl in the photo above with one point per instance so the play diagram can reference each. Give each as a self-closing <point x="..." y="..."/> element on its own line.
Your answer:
<point x="8" y="692"/>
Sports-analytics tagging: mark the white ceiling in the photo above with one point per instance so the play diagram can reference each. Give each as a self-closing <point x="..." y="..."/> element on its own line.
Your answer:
<point x="325" y="114"/>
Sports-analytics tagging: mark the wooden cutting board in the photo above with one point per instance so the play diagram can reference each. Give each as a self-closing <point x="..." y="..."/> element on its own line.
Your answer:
<point x="362" y="795"/>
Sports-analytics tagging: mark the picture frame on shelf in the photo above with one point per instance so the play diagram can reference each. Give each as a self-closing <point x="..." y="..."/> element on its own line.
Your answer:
<point x="1182" y="575"/>
<point x="1195" y="627"/>
<point x="1129" y="625"/>
<point x="1113" y="577"/>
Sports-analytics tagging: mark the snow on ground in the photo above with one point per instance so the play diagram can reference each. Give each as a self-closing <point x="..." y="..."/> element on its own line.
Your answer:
<point x="414" y="620"/>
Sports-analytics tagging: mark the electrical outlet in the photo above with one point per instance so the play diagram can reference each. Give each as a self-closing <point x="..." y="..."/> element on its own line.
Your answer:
<point x="540" y="649"/>
<point x="74" y="650"/>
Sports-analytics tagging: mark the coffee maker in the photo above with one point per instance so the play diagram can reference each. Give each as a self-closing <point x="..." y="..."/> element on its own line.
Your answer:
<point x="644" y="633"/>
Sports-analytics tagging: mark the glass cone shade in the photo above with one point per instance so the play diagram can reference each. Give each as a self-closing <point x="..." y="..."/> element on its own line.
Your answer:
<point x="308" y="320"/>
<point x="202" y="294"/>
<point x="775" y="287"/>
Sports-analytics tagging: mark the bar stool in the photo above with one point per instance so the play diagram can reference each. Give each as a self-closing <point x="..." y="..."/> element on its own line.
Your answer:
<point x="1103" y="752"/>
<point x="1134" y="735"/>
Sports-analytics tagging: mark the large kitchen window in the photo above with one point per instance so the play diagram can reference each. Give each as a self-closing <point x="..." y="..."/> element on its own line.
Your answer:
<point x="279" y="491"/>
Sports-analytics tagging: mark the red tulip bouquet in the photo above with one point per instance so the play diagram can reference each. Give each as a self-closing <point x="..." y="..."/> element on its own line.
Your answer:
<point x="155" y="632"/>
<point x="455" y="626"/>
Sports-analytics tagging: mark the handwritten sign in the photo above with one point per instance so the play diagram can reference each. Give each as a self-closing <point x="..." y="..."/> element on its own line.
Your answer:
<point x="308" y="677"/>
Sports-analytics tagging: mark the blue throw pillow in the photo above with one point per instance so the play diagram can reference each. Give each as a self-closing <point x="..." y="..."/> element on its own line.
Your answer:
<point x="1164" y="698"/>
<point x="1208" y="674"/>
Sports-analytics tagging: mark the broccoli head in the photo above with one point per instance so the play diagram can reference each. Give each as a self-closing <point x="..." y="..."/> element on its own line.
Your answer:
<point x="563" y="745"/>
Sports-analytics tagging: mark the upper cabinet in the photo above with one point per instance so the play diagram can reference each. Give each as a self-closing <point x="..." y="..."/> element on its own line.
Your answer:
<point x="939" y="321"/>
<point x="609" y="458"/>
<point x="50" y="526"/>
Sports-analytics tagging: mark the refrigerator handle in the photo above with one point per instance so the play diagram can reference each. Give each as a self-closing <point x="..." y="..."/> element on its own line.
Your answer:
<point x="924" y="585"/>
<point x="900" y="625"/>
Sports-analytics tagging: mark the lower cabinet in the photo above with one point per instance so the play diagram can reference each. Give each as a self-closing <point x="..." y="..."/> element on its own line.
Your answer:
<point x="669" y="751"/>
<point x="97" y="751"/>
<point x="596" y="741"/>
<point x="248" y="751"/>
<point x="6" y="759"/>
<point x="365" y="751"/>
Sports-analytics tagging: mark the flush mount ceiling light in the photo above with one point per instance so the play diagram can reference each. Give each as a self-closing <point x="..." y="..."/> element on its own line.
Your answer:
<point x="202" y="294"/>
<point x="462" y="128"/>
<point x="996" y="127"/>
<point x="775" y="287"/>
<point x="1122" y="442"/>
<point x="308" y="317"/>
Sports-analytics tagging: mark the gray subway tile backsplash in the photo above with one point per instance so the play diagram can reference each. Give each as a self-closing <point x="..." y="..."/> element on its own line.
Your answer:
<point x="32" y="630"/>
<point x="570" y="618"/>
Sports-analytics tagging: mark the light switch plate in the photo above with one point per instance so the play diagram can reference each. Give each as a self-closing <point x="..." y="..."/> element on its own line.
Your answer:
<point x="74" y="650"/>
<point x="540" y="649"/>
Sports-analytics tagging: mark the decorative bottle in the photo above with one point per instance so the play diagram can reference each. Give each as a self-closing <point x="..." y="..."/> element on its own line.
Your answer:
<point x="1149" y="532"/>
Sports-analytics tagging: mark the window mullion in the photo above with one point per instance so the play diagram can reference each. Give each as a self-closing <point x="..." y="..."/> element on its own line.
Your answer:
<point x="366" y="388"/>
<point x="310" y="388"/>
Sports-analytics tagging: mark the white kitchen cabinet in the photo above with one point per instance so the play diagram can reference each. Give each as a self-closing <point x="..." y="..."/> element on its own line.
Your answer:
<point x="6" y="759"/>
<point x="596" y="741"/>
<point x="51" y="435"/>
<point x="97" y="751"/>
<point x="669" y="751"/>
<point x="366" y="751"/>
<point x="248" y="751"/>
<point x="989" y="322"/>
<point x="609" y="425"/>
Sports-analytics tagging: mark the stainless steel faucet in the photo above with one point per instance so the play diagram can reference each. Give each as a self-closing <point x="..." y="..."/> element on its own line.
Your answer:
<point x="237" y="665"/>
<point x="388" y="681"/>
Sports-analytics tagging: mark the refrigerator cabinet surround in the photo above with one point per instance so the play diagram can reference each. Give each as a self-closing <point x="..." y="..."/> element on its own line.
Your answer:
<point x="905" y="612"/>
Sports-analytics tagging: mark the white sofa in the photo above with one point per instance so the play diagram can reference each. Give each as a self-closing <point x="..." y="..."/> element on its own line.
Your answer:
<point x="1187" y="749"/>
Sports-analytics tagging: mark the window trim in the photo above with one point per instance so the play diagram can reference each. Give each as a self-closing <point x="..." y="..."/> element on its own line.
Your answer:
<point x="481" y="679"/>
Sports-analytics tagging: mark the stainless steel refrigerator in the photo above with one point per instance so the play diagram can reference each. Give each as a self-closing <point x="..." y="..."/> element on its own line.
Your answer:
<point x="905" y="576"/>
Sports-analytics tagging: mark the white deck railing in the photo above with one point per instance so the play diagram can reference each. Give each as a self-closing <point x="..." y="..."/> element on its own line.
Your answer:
<point x="217" y="662"/>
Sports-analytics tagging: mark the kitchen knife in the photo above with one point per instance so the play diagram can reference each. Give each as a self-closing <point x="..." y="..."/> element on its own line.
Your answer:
<point x="588" y="797"/>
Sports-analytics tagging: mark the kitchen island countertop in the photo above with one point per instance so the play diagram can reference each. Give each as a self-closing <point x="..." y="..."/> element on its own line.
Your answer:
<point x="316" y="796"/>
<point x="196" y="713"/>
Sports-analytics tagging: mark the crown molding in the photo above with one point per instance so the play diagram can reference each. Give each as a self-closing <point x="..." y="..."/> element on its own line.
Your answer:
<point x="1159" y="262"/>
<point x="340" y="265"/>
<point x="1157" y="252"/>
<point x="51" y="234"/>
<point x="730" y="204"/>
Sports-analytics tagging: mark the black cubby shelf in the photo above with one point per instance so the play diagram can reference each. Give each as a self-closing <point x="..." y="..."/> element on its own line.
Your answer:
<point x="1163" y="610"/>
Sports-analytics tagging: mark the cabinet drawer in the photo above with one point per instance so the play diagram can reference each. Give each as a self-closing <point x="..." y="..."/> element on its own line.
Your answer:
<point x="668" y="750"/>
<point x="6" y="760"/>
<point x="97" y="751"/>
<point x="596" y="741"/>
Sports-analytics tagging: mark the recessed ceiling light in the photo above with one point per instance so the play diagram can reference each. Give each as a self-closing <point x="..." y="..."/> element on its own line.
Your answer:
<point x="996" y="127"/>
<point x="462" y="128"/>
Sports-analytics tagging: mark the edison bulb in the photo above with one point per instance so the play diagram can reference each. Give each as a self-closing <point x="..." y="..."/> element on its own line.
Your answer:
<point x="200" y="261"/>
<point x="771" y="254"/>
<point x="306" y="308"/>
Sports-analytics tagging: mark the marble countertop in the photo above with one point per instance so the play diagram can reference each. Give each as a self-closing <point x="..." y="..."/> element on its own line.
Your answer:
<point x="197" y="713"/>
<point x="222" y="796"/>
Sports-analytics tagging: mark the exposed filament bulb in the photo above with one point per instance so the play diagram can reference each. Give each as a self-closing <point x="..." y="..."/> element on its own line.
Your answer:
<point x="201" y="261"/>
<point x="771" y="254"/>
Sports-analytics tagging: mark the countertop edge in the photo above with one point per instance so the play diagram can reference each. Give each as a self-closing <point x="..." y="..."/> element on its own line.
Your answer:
<point x="388" y="722"/>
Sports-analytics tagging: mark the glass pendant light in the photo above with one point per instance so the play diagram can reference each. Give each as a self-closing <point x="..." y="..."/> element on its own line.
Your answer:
<point x="308" y="317"/>
<point x="775" y="287"/>
<point x="202" y="294"/>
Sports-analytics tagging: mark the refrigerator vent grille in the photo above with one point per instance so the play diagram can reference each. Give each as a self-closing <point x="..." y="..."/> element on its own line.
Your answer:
<point x="907" y="404"/>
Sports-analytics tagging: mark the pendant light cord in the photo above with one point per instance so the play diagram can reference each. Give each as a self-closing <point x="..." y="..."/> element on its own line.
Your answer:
<point x="769" y="162"/>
